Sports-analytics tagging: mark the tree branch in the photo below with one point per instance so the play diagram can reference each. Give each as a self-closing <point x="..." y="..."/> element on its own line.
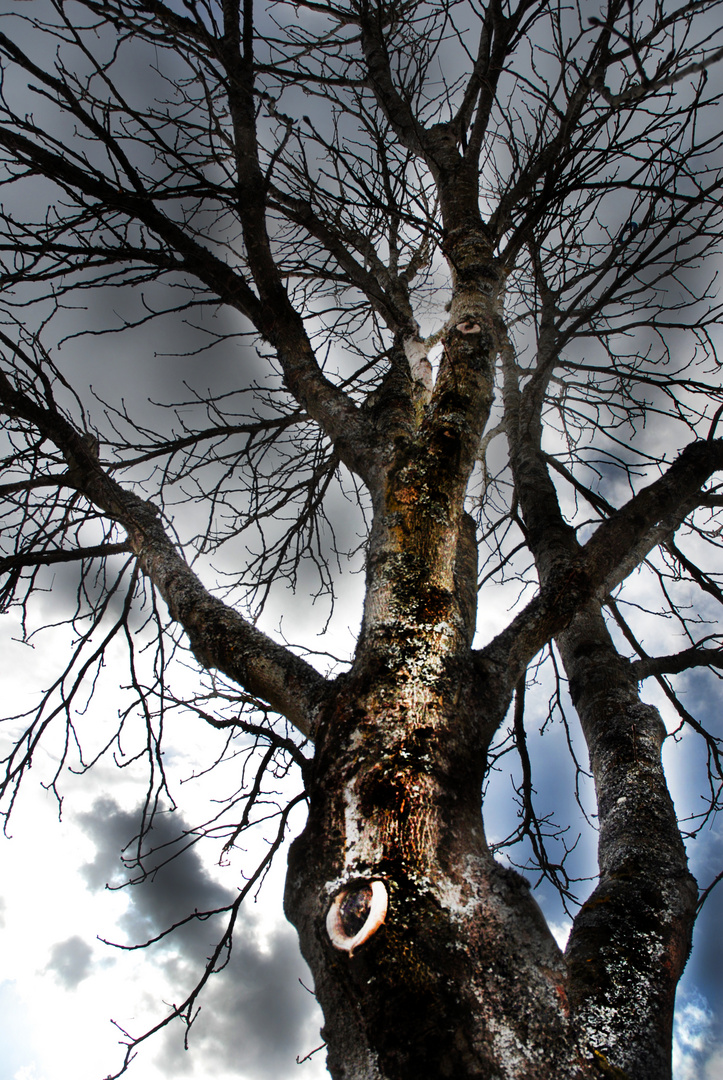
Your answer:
<point x="674" y="663"/>
<point x="219" y="636"/>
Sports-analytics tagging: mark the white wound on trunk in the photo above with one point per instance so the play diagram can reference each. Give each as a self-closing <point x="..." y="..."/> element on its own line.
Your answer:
<point x="356" y="913"/>
<point x="419" y="365"/>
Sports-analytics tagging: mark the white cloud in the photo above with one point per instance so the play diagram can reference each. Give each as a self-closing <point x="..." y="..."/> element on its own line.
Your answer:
<point x="561" y="932"/>
<point x="27" y="1072"/>
<point x="714" y="1064"/>
<point x="695" y="1055"/>
<point x="70" y="961"/>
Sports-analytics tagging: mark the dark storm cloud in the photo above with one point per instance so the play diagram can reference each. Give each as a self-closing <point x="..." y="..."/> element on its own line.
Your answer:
<point x="70" y="961"/>
<point x="65" y="586"/>
<point x="256" y="1016"/>
<point x="159" y="360"/>
<point x="170" y="891"/>
<point x="110" y="829"/>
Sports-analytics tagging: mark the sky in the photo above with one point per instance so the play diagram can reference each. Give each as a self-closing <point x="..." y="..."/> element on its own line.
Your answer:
<point x="63" y="991"/>
<point x="67" y="995"/>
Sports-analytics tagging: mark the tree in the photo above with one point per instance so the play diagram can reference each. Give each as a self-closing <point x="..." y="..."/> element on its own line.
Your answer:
<point x="465" y="255"/>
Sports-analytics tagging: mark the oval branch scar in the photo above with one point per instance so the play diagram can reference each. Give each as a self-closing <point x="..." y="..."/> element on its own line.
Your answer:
<point x="356" y="913"/>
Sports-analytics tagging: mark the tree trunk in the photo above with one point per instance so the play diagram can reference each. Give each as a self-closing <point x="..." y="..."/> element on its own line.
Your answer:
<point x="429" y="958"/>
<point x="462" y="978"/>
<point x="460" y="975"/>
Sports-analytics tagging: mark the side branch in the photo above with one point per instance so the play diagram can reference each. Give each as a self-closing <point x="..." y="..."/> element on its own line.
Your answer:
<point x="674" y="663"/>
<point x="619" y="544"/>
<point x="650" y="517"/>
<point x="219" y="636"/>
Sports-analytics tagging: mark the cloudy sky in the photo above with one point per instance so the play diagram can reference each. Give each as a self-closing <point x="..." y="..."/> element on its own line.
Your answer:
<point x="66" y="996"/>
<point x="63" y="991"/>
<point x="61" y="987"/>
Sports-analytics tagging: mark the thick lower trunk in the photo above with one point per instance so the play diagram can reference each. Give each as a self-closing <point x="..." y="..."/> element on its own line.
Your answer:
<point x="462" y="977"/>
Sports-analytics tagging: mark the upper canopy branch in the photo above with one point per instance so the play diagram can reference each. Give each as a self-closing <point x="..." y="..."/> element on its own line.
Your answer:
<point x="397" y="110"/>
<point x="385" y="293"/>
<point x="125" y="192"/>
<point x="456" y="175"/>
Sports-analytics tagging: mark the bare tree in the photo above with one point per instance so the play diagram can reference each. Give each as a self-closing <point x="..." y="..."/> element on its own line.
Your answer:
<point x="463" y="256"/>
